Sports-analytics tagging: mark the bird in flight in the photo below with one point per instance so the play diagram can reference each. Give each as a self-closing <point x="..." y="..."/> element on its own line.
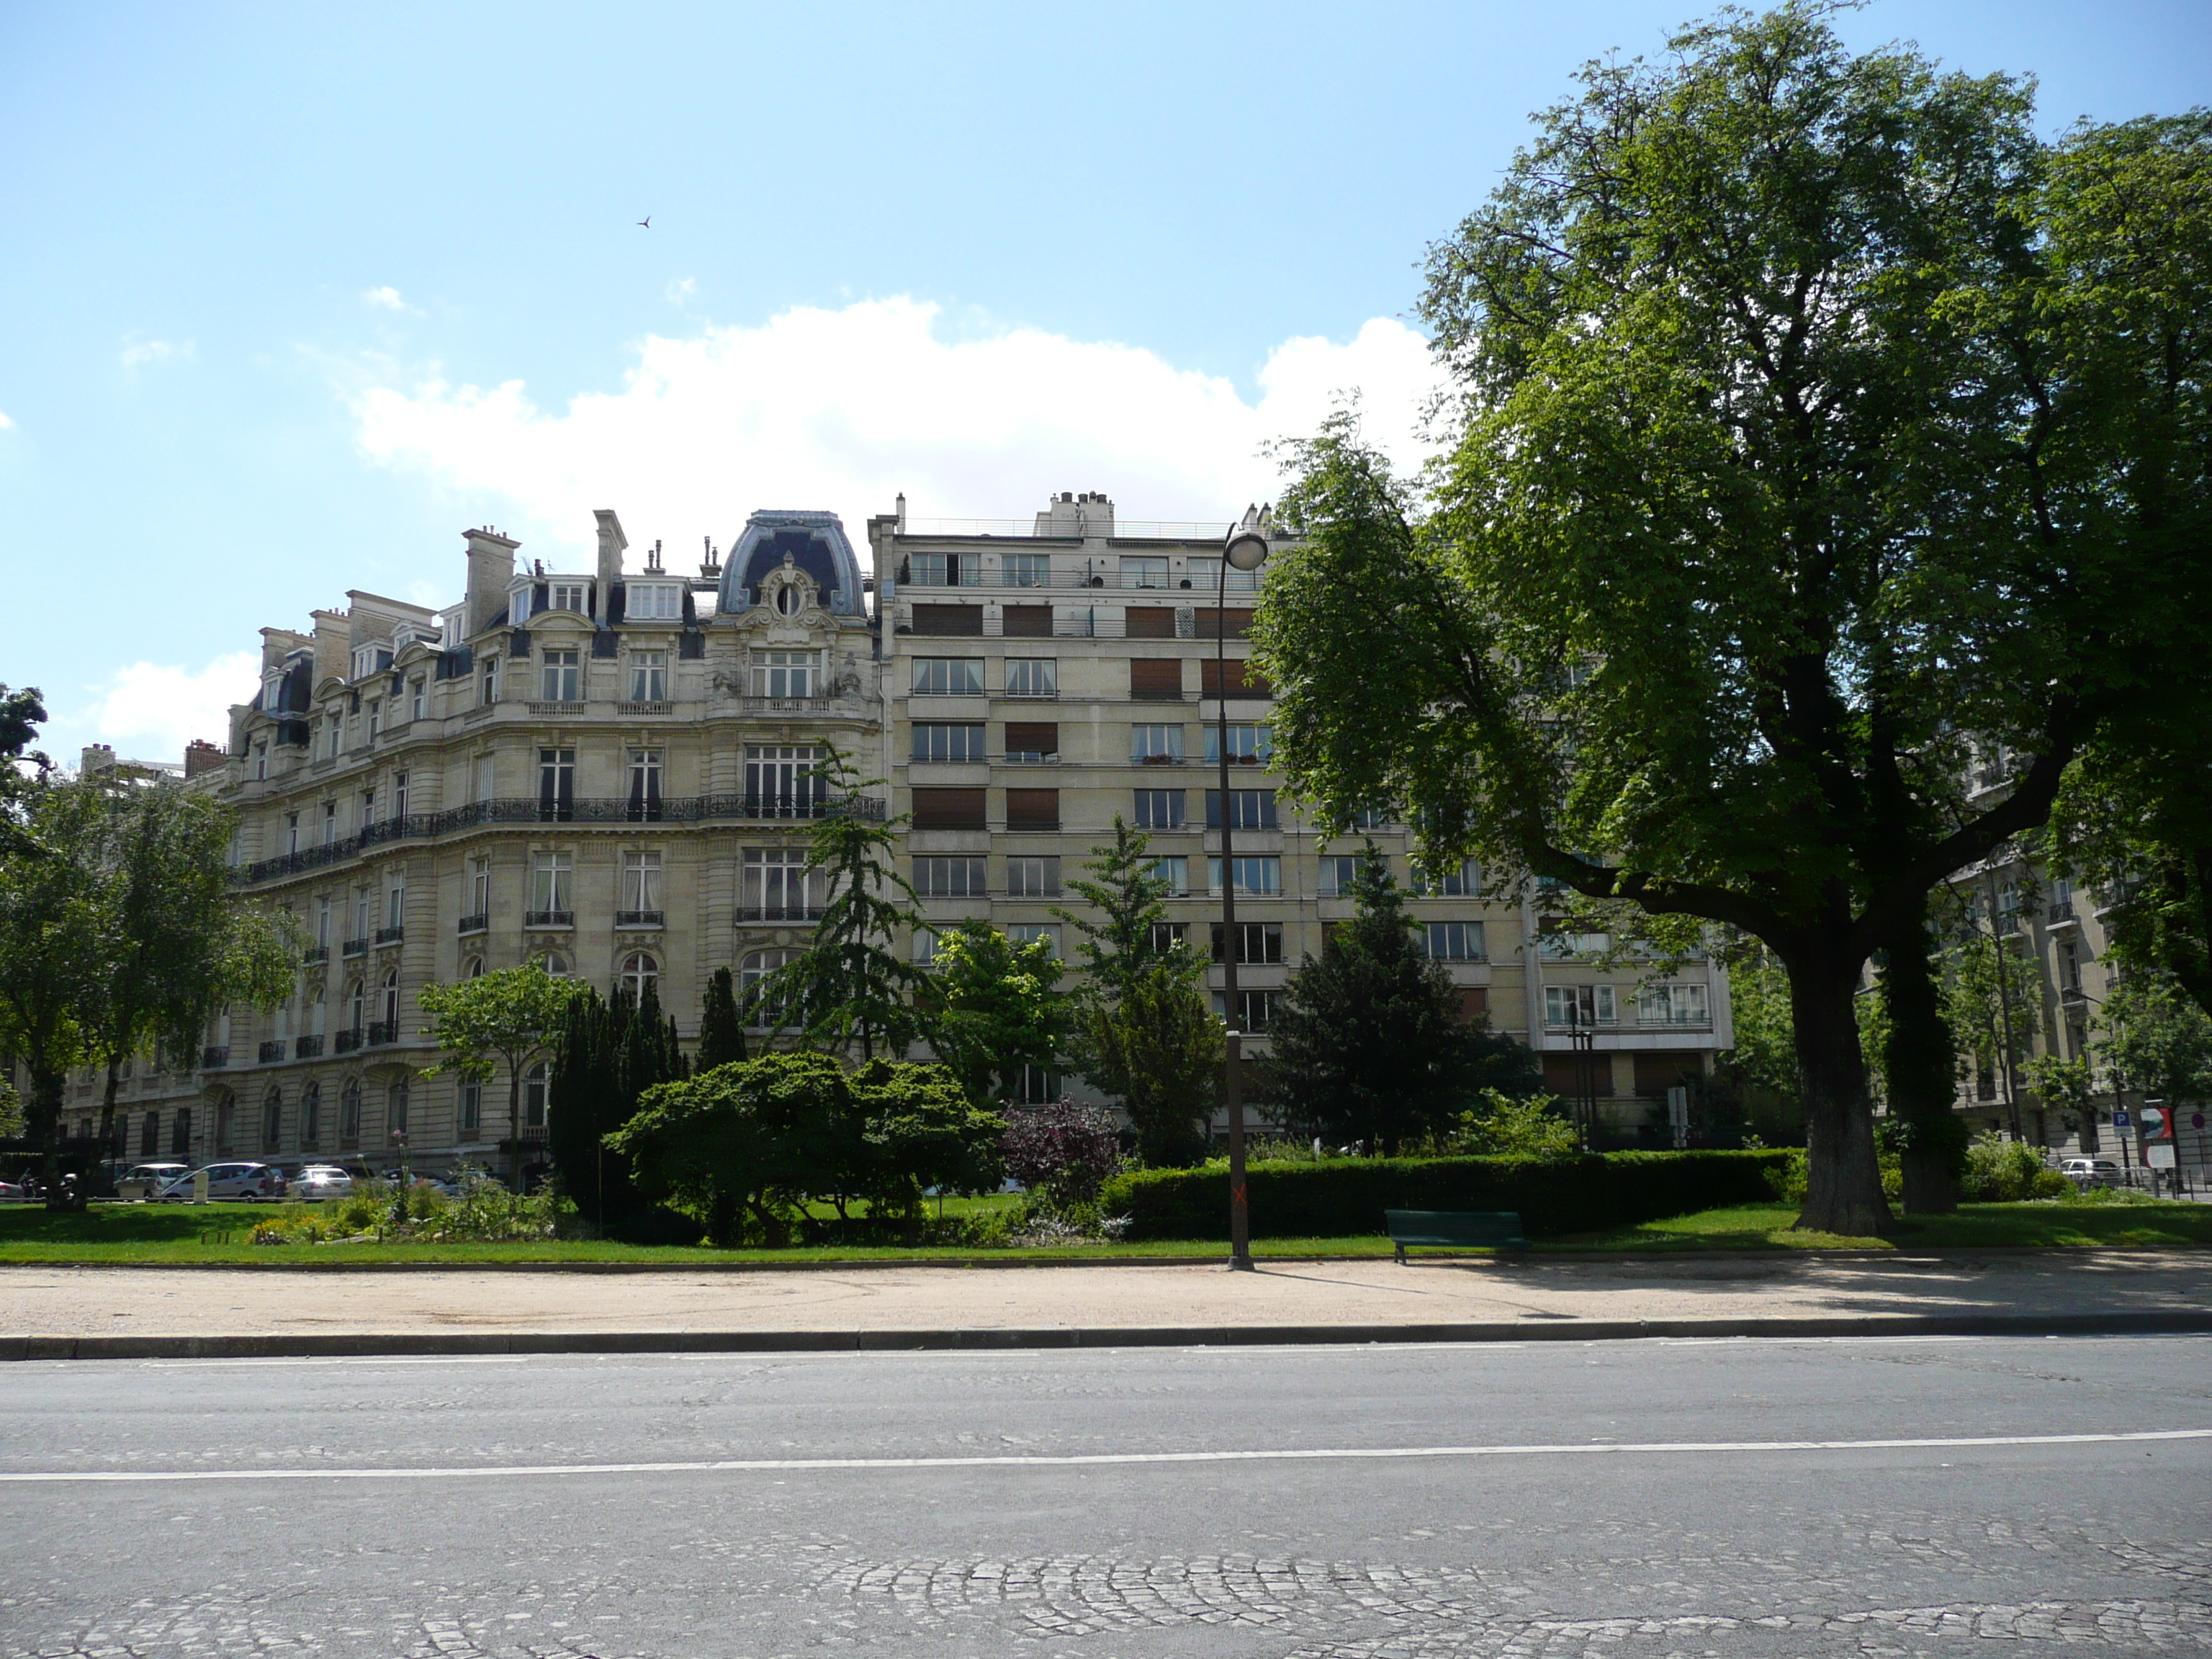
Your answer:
<point x="645" y="223"/>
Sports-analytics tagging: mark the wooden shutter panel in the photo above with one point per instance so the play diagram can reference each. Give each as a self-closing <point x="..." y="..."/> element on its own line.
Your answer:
<point x="1656" y="1074"/>
<point x="949" y="809"/>
<point x="1210" y="622"/>
<point x="1032" y="737"/>
<point x="1151" y="622"/>
<point x="1235" y="673"/>
<point x="1473" y="1002"/>
<point x="948" y="619"/>
<point x="1560" y="1076"/>
<point x="1027" y="622"/>
<point x="1159" y="678"/>
<point x="1032" y="809"/>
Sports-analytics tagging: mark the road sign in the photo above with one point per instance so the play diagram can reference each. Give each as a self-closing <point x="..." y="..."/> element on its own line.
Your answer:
<point x="2197" y="1120"/>
<point x="2159" y="1156"/>
<point x="2121" y="1120"/>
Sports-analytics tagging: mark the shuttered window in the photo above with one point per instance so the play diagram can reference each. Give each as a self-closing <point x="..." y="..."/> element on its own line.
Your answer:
<point x="1031" y="739"/>
<point x="948" y="619"/>
<point x="1151" y="622"/>
<point x="1032" y="809"/>
<point x="1157" y="678"/>
<point x="948" y="809"/>
<point x="1211" y="621"/>
<point x="1236" y="674"/>
<point x="1027" y="622"/>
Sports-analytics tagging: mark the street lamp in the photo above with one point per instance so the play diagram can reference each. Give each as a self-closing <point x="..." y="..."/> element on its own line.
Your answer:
<point x="1246" y="549"/>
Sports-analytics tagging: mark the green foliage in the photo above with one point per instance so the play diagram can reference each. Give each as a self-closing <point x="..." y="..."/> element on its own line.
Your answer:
<point x="851" y="988"/>
<point x="2066" y="1086"/>
<point x="721" y="1030"/>
<point x="1369" y="1043"/>
<point x="922" y="1130"/>
<point x="1987" y="984"/>
<point x="1346" y="1197"/>
<point x="511" y="1015"/>
<point x="991" y="1006"/>
<point x="610" y="1054"/>
<point x="1122" y="941"/>
<point x="2000" y="1171"/>
<point x="1528" y="1126"/>
<point x="2156" y="1040"/>
<point x="485" y="1212"/>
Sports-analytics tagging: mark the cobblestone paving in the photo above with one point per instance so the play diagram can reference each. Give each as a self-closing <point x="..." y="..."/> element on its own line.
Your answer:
<point x="783" y="1594"/>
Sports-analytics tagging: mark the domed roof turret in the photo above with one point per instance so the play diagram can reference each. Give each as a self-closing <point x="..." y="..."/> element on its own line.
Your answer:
<point x="814" y="542"/>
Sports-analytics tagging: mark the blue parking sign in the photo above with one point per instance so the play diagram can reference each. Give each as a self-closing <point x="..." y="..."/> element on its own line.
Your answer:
<point x="2121" y="1120"/>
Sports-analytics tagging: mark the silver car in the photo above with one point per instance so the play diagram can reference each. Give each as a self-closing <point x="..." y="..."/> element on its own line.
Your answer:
<point x="320" y="1181"/>
<point x="2092" y="1171"/>
<point x="234" y="1182"/>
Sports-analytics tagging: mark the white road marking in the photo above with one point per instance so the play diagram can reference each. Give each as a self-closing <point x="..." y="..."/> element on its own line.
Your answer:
<point x="1093" y="1460"/>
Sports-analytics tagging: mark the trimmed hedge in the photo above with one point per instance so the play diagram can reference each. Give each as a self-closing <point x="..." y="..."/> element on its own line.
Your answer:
<point x="1347" y="1198"/>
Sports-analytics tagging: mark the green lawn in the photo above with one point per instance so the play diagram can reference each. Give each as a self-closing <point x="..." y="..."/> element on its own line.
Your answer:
<point x="2052" y="1225"/>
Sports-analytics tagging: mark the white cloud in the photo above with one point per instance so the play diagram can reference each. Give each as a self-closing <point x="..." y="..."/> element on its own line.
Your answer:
<point x="386" y="299"/>
<point x="150" y="710"/>
<point x="682" y="289"/>
<point x="6" y="425"/>
<point x="844" y="408"/>
<point x="135" y="352"/>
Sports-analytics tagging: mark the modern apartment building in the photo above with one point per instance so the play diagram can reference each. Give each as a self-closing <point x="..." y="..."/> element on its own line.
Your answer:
<point x="1041" y="677"/>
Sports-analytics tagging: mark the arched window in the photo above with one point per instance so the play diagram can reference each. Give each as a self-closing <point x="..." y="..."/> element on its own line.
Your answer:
<point x="788" y="599"/>
<point x="311" y="1117"/>
<point x="639" y="970"/>
<point x="350" y="1116"/>
<point x="226" y="1125"/>
<point x="180" y="1134"/>
<point x="473" y="968"/>
<point x="390" y="1001"/>
<point x="555" y="964"/>
<point x="535" y="1085"/>
<point x="273" y="1120"/>
<point x="395" y="1107"/>
<point x="756" y="968"/>
<point x="356" y="1004"/>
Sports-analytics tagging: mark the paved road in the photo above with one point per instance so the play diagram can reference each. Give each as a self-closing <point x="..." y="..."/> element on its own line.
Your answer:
<point x="1119" y="1504"/>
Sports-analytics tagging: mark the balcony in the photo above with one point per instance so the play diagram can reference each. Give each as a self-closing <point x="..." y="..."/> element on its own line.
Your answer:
<point x="346" y="1042"/>
<point x="549" y="918"/>
<point x="313" y="954"/>
<point x="390" y="935"/>
<point x="478" y="923"/>
<point x="306" y="1048"/>
<point x="786" y="911"/>
<point x="637" y="918"/>
<point x="272" y="1051"/>
<point x="382" y="1033"/>
<point x="214" y="1057"/>
<point x="632" y="710"/>
<point x="2061" y="915"/>
<point x="354" y="947"/>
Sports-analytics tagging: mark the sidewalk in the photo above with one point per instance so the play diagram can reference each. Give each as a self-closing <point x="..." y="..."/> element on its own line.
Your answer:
<point x="84" y="1312"/>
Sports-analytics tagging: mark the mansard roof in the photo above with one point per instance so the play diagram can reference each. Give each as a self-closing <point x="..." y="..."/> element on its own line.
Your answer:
<point x="816" y="544"/>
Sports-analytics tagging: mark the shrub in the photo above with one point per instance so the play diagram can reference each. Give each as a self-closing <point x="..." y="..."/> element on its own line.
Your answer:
<point x="1504" y="1127"/>
<point x="2000" y="1172"/>
<point x="1347" y="1197"/>
<point x="1065" y="1151"/>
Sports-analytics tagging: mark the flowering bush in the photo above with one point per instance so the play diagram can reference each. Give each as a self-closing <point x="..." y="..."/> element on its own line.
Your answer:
<point x="1065" y="1151"/>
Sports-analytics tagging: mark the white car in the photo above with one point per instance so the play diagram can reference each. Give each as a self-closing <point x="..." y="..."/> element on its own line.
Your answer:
<point x="318" y="1181"/>
<point x="2092" y="1171"/>
<point x="249" y="1182"/>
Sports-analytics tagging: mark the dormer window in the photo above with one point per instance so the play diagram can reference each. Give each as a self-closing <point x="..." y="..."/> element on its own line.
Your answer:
<point x="369" y="659"/>
<point x="653" y="602"/>
<point x="517" y="607"/>
<point x="571" y="596"/>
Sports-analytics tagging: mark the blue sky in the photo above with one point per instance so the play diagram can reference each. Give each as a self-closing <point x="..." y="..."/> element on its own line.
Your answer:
<point x="290" y="295"/>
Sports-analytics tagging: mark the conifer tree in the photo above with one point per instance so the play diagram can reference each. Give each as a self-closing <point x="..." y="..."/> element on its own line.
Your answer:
<point x="721" y="1031"/>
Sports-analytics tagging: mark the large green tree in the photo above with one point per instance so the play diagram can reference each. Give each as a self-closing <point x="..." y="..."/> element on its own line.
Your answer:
<point x="1370" y="1043"/>
<point x="610" y="1052"/>
<point x="512" y="1016"/>
<point x="991" y="1006"/>
<point x="1773" y="483"/>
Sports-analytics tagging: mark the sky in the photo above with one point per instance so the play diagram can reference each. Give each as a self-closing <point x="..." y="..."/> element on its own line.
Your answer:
<point x="291" y="296"/>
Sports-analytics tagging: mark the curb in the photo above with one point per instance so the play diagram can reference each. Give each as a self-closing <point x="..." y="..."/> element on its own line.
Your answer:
<point x="373" y="1345"/>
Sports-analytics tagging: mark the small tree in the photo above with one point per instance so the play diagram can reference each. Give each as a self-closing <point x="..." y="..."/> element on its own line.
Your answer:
<point x="1065" y="1152"/>
<point x="922" y="1130"/>
<point x="59" y="934"/>
<point x="1129" y="932"/>
<point x="2157" y="1040"/>
<point x="850" y="986"/>
<point x="1369" y="1044"/>
<point x="1518" y="1126"/>
<point x="721" y="1031"/>
<point x="991" y="1007"/>
<point x="513" y="1014"/>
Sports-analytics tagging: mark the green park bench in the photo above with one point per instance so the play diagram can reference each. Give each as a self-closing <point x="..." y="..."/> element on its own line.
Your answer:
<point x="1496" y="1229"/>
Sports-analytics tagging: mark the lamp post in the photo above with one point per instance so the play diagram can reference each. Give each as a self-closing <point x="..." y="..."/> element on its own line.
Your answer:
<point x="1246" y="549"/>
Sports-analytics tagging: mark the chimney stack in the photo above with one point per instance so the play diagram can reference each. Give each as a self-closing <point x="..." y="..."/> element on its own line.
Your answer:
<point x="612" y="544"/>
<point x="491" y="568"/>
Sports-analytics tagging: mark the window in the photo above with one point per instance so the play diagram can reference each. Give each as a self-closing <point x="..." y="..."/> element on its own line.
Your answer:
<point x="395" y="907"/>
<point x="639" y="973"/>
<point x="571" y="596"/>
<point x="536" y="1084"/>
<point x="776" y="885"/>
<point x="367" y="807"/>
<point x="329" y="823"/>
<point x="938" y="569"/>
<point x="557" y="785"/>
<point x="517" y="607"/>
<point x="1167" y="936"/>
<point x="644" y="785"/>
<point x="1251" y="743"/>
<point x="272" y="1121"/>
<point x="1029" y="570"/>
<point x="752" y="974"/>
<point x="1032" y="809"/>
<point x="1371" y="817"/>
<point x="417" y="699"/>
<point x="1159" y="809"/>
<point x="790" y="598"/>
<point x="1578" y="1005"/>
<point x="1156" y="679"/>
<point x="488" y="684"/>
<point x="950" y="877"/>
<point x="1559" y="946"/>
<point x="1145" y="571"/>
<point x="363" y="907"/>
<point x="641" y="886"/>
<point x="555" y="964"/>
<point x="1258" y="942"/>
<point x="550" y="875"/>
<point x="779" y="781"/>
<point x="1207" y="574"/>
<point x="1160" y="746"/>
<point x="924" y="945"/>
<point x="370" y="659"/>
<point x="375" y="718"/>
<point x="1455" y="941"/>
<point x="487" y="774"/>
<point x="1174" y="874"/>
<point x="311" y="1117"/>
<point x="470" y="1109"/>
<point x="1032" y="877"/>
<point x="398" y="794"/>
<point x="1465" y="882"/>
<point x="1149" y="622"/>
<point x="1671" y="1004"/>
<point x="563" y="679"/>
<point x="261" y="761"/>
<point x="652" y="602"/>
<point x="473" y="968"/>
<point x="149" y="1134"/>
<point x="1034" y="741"/>
<point x="948" y="740"/>
<point x="390" y="1000"/>
<point x="1338" y="871"/>
<point x="1253" y="875"/>
<point x="1258" y="1013"/>
<point x="1030" y="677"/>
<point x="949" y="809"/>
<point x="1249" y="809"/>
<point x="350" y="1116"/>
<point x="648" y="676"/>
<point x="291" y="832"/>
<point x="1025" y="621"/>
<point x="356" y="1007"/>
<point x="395" y="1107"/>
<point x="1026" y="932"/>
<point x="783" y="673"/>
<point x="180" y="1133"/>
<point x="948" y="677"/>
<point x="1036" y="1087"/>
<point x="480" y="885"/>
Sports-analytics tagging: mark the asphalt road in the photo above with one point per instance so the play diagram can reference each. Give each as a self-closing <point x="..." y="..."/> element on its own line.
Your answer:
<point x="1384" y="1503"/>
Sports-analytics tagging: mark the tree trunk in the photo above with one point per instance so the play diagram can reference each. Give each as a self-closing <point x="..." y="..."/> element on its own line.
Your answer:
<point x="107" y="1105"/>
<point x="42" y="1120"/>
<point x="1917" y="1062"/>
<point x="514" y="1128"/>
<point x="1843" y="1189"/>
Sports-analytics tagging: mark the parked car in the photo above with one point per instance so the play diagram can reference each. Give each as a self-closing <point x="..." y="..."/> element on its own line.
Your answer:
<point x="11" y="1194"/>
<point x="2092" y="1171"/>
<point x="321" y="1181"/>
<point x="147" y="1179"/>
<point x="246" y="1183"/>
